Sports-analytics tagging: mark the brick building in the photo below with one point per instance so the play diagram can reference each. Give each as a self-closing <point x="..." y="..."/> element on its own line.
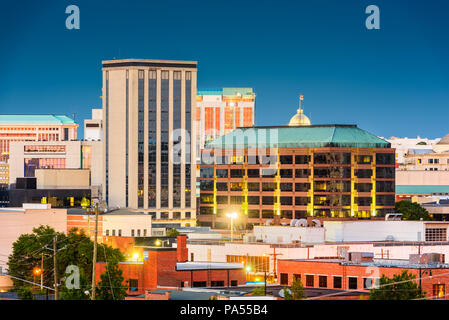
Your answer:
<point x="362" y="273"/>
<point x="160" y="267"/>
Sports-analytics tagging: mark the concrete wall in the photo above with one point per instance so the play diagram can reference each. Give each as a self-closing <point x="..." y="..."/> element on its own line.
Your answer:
<point x="285" y="234"/>
<point x="126" y="223"/>
<point x="374" y="230"/>
<point x="17" y="221"/>
<point x="422" y="177"/>
<point x="63" y="178"/>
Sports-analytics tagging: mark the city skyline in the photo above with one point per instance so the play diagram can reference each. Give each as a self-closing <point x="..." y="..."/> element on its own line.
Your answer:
<point x="384" y="79"/>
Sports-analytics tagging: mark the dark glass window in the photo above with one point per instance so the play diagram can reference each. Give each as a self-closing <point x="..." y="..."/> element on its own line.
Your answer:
<point x="268" y="200"/>
<point x="253" y="200"/>
<point x="286" y="159"/>
<point x="236" y="199"/>
<point x="286" y="201"/>
<point x="286" y="214"/>
<point x="286" y="173"/>
<point x="352" y="282"/>
<point x="222" y="199"/>
<point x="364" y="201"/>
<point x="322" y="281"/>
<point x="363" y="173"/>
<point x="302" y="173"/>
<point x="285" y="186"/>
<point x="363" y="159"/>
<point x="140" y="129"/>
<point x="164" y="137"/>
<point x="301" y="201"/>
<point x="253" y="173"/>
<point x="152" y="152"/>
<point x="363" y="187"/>
<point x="385" y="172"/>
<point x="268" y="186"/>
<point x="302" y="187"/>
<point x="284" y="279"/>
<point x="309" y="280"/>
<point x="206" y="172"/>
<point x="221" y="173"/>
<point x="385" y="158"/>
<point x="337" y="282"/>
<point x="385" y="200"/>
<point x="332" y="200"/>
<point x="302" y="159"/>
<point x="237" y="173"/>
<point x="206" y="185"/>
<point x="332" y="158"/>
<point x="385" y="186"/>
<point x="222" y="186"/>
<point x="253" y="186"/>
<point x="333" y="172"/>
<point x="332" y="186"/>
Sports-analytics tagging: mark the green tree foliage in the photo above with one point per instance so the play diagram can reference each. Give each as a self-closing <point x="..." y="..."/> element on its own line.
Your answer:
<point x="400" y="287"/>
<point x="258" y="291"/>
<point x="75" y="248"/>
<point x="172" y="233"/>
<point x="76" y="294"/>
<point x="412" y="211"/>
<point x="25" y="293"/>
<point x="296" y="291"/>
<point x="111" y="285"/>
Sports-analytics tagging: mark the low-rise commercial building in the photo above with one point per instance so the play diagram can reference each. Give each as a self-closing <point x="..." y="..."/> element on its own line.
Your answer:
<point x="364" y="273"/>
<point x="169" y="267"/>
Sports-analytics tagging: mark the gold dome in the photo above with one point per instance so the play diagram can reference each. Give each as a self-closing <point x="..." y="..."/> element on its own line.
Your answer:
<point x="299" y="119"/>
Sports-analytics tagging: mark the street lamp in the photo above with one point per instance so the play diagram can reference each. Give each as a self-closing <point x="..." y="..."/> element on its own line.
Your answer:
<point x="248" y="269"/>
<point x="232" y="216"/>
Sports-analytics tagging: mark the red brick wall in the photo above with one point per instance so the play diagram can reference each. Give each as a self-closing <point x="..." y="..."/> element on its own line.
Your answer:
<point x="330" y="269"/>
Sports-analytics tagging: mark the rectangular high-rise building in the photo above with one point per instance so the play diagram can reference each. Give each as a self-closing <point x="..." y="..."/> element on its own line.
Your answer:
<point x="149" y="137"/>
<point x="219" y="111"/>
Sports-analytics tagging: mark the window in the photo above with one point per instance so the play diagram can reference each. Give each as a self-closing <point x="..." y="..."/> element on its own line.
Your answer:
<point x="436" y="234"/>
<point x="337" y="282"/>
<point x="199" y="284"/>
<point x="286" y="159"/>
<point x="138" y="232"/>
<point x="133" y="284"/>
<point x="284" y="279"/>
<point x="120" y="232"/>
<point x="322" y="281"/>
<point x="367" y="283"/>
<point x="113" y="232"/>
<point x="217" y="283"/>
<point x="132" y="233"/>
<point x="439" y="291"/>
<point x="296" y="277"/>
<point x="302" y="159"/>
<point x="352" y="282"/>
<point x="309" y="280"/>
<point x="234" y="283"/>
<point x="107" y="232"/>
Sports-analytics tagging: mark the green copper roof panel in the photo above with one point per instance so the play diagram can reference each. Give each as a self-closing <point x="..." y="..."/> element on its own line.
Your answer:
<point x="35" y="118"/>
<point x="416" y="189"/>
<point x="209" y="92"/>
<point x="317" y="136"/>
<point x="232" y="92"/>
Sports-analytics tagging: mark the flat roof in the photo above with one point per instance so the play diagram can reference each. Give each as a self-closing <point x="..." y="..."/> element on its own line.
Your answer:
<point x="197" y="265"/>
<point x="227" y="92"/>
<point x="149" y="63"/>
<point x="35" y="119"/>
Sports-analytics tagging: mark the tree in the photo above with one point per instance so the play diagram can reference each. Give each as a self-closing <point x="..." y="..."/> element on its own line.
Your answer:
<point x="25" y="293"/>
<point x="400" y="287"/>
<point x="110" y="286"/>
<point x="412" y="211"/>
<point x="75" y="248"/>
<point x="258" y="291"/>
<point x="76" y="294"/>
<point x="172" y="233"/>
<point x="296" y="291"/>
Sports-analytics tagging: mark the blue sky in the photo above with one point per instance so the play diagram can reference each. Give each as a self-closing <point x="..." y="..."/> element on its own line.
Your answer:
<point x="392" y="81"/>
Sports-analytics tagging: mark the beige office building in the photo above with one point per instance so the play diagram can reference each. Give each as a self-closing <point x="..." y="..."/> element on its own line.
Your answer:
<point x="149" y="135"/>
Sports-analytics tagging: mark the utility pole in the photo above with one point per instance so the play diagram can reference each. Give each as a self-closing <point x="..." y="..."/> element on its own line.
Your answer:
<point x="42" y="271"/>
<point x="55" y="268"/>
<point x="94" y="258"/>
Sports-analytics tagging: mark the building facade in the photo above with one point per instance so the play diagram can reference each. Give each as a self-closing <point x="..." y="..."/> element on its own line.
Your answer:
<point x="32" y="128"/>
<point x="297" y="171"/>
<point x="149" y="137"/>
<point x="93" y="127"/>
<point x="219" y="111"/>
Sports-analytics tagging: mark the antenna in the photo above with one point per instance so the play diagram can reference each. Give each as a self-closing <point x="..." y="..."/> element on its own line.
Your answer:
<point x="301" y="98"/>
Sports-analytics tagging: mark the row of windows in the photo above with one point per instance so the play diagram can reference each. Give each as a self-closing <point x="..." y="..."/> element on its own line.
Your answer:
<point x="331" y="172"/>
<point x="335" y="282"/>
<point x="318" y="158"/>
<point x="134" y="233"/>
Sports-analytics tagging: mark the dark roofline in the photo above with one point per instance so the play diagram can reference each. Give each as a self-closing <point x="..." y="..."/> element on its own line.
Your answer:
<point x="311" y="126"/>
<point x="149" y="64"/>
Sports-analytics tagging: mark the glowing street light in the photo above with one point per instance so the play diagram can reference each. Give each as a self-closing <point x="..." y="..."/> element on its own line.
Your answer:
<point x="232" y="216"/>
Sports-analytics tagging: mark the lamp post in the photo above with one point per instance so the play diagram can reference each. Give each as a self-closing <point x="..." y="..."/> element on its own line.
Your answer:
<point x="232" y="216"/>
<point x="248" y="269"/>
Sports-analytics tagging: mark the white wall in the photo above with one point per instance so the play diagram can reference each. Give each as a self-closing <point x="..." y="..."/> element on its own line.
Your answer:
<point x="374" y="230"/>
<point x="286" y="234"/>
<point x="126" y="223"/>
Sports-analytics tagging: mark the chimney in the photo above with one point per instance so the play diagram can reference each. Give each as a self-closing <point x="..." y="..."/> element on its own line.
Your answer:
<point x="181" y="250"/>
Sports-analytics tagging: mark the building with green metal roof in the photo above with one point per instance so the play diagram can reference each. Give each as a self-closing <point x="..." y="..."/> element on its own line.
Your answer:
<point x="280" y="174"/>
<point x="34" y="119"/>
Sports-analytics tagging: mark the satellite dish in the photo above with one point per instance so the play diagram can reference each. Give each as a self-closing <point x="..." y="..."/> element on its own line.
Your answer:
<point x="317" y="223"/>
<point x="389" y="238"/>
<point x="293" y="222"/>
